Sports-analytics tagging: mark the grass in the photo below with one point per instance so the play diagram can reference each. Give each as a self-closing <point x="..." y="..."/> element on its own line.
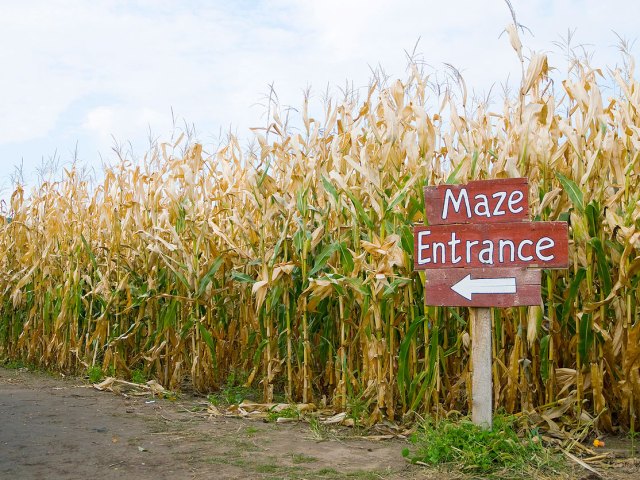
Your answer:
<point x="287" y="473"/>
<point x="228" y="460"/>
<point x="319" y="431"/>
<point x="299" y="458"/>
<point x="357" y="409"/>
<point x="327" y="471"/>
<point x="633" y="437"/>
<point x="503" y="452"/>
<point x="245" y="446"/>
<point x="20" y="364"/>
<point x="234" y="391"/>
<point x="15" y="364"/>
<point x="138" y="376"/>
<point x="95" y="374"/>
<point x="269" y="468"/>
<point x="333" y="474"/>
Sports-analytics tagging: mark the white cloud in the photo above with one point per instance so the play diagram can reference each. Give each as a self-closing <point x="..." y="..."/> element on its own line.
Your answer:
<point x="106" y="121"/>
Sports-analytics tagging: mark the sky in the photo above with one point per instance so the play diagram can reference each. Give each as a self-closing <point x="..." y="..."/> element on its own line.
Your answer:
<point x="79" y="78"/>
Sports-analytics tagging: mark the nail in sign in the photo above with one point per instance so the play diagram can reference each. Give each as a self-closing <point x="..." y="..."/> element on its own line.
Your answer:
<point x="480" y="248"/>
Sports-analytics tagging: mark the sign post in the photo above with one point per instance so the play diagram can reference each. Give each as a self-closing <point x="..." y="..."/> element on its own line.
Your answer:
<point x="481" y="383"/>
<point x="480" y="250"/>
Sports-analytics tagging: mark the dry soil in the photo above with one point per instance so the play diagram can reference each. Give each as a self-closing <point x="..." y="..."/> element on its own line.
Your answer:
<point x="62" y="428"/>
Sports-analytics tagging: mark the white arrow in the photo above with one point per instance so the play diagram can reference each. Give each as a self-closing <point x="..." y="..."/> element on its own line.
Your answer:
<point x="468" y="286"/>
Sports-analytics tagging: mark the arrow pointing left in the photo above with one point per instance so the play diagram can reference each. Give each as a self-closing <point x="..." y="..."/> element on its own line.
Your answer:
<point x="483" y="287"/>
<point x="468" y="286"/>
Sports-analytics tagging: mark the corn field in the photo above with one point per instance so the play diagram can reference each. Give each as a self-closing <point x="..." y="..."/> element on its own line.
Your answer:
<point x="292" y="261"/>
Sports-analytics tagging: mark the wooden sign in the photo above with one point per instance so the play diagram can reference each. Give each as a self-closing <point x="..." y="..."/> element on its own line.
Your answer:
<point x="527" y="244"/>
<point x="476" y="250"/>
<point x="503" y="200"/>
<point x="475" y="232"/>
<point x="483" y="287"/>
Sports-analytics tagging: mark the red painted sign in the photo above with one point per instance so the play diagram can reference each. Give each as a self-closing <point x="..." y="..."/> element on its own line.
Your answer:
<point x="537" y="244"/>
<point x="503" y="200"/>
<point x="483" y="287"/>
<point x="481" y="250"/>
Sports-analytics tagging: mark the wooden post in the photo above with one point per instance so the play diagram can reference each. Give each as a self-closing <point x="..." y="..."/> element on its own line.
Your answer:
<point x="481" y="386"/>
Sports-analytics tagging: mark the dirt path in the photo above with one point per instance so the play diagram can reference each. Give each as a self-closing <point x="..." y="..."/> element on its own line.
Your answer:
<point x="64" y="429"/>
<point x="53" y="428"/>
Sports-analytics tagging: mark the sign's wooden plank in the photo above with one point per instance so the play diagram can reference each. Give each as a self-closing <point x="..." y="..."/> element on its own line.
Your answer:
<point x="483" y="287"/>
<point x="501" y="200"/>
<point x="526" y="244"/>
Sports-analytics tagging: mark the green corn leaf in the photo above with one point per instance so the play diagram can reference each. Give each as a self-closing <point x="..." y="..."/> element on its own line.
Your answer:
<point x="264" y="174"/>
<point x="544" y="357"/>
<point x="453" y="176"/>
<point x="416" y="385"/>
<point x="394" y="285"/>
<point x="186" y="328"/>
<point x="403" y="355"/>
<point x="585" y="338"/>
<point x="301" y="201"/>
<point x="169" y="315"/>
<point x="331" y="190"/>
<point x="258" y="353"/>
<point x="572" y="293"/>
<point x="406" y="239"/>
<point x="346" y="258"/>
<point x="574" y="193"/>
<point x="208" y="339"/>
<point x="431" y="368"/>
<point x="209" y="275"/>
<point x="604" y="272"/>
<point x="324" y="256"/>
<point x="357" y="285"/>
<point x="298" y="241"/>
<point x="474" y="163"/>
<point x="592" y="211"/>
<point x="274" y="296"/>
<point x="399" y="197"/>
<point x="338" y="288"/>
<point x="91" y="254"/>
<point x="361" y="213"/>
<point x="276" y="251"/>
<point x="416" y="206"/>
<point x="241" y="277"/>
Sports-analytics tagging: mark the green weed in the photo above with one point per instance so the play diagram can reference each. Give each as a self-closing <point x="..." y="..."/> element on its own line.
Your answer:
<point x="327" y="471"/>
<point x="268" y="468"/>
<point x="15" y="364"/>
<point x="499" y="453"/>
<point x="289" y="412"/>
<point x="95" y="374"/>
<point x="138" y="376"/>
<point x="357" y="408"/>
<point x="298" y="458"/>
<point x="318" y="430"/>
<point x="234" y="391"/>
